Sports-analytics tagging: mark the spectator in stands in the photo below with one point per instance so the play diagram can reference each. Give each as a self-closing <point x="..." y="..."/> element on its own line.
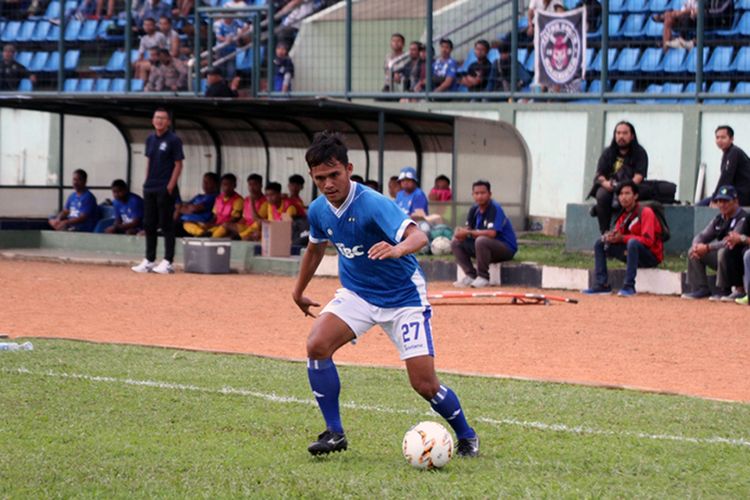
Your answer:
<point x="295" y="186"/>
<point x="394" y="61"/>
<point x="152" y="39"/>
<point x="217" y="85"/>
<point x="80" y="209"/>
<point x="408" y="76"/>
<point x="393" y="186"/>
<point x="357" y="178"/>
<point x="502" y="69"/>
<point x="227" y="208"/>
<point x="593" y="14"/>
<point x="228" y="33"/>
<point x="182" y="8"/>
<point x="373" y="184"/>
<point x="160" y="192"/>
<point x="283" y="69"/>
<point x="12" y="9"/>
<point x="719" y="14"/>
<point x="622" y="161"/>
<point x="541" y="6"/>
<point x="279" y="207"/>
<point x="171" y="36"/>
<point x="635" y="240"/>
<point x="478" y="73"/>
<point x="410" y="199"/>
<point x="711" y="248"/>
<point x="444" y="69"/>
<point x="11" y="71"/>
<point x="199" y="210"/>
<point x="151" y="9"/>
<point x="734" y="168"/>
<point x="441" y="191"/>
<point x="488" y="236"/>
<point x="291" y="16"/>
<point x="169" y="74"/>
<point x="128" y="210"/>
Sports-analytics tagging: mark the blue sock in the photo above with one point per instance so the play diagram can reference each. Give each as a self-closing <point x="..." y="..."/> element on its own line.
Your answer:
<point x="324" y="381"/>
<point x="447" y="405"/>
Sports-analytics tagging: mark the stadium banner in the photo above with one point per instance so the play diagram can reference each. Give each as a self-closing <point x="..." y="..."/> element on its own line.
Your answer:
<point x="559" y="47"/>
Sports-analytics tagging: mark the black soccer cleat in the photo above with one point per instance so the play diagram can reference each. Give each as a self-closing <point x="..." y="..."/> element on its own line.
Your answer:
<point x="328" y="442"/>
<point x="468" y="447"/>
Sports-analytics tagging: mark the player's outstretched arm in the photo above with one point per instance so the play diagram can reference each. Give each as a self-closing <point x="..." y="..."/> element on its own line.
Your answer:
<point x="413" y="240"/>
<point x="310" y="262"/>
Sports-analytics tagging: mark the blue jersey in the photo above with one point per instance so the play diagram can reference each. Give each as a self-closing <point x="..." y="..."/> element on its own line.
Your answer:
<point x="409" y="202"/>
<point x="364" y="219"/>
<point x="442" y="69"/>
<point x="83" y="204"/>
<point x="129" y="211"/>
<point x="493" y="218"/>
<point x="207" y="202"/>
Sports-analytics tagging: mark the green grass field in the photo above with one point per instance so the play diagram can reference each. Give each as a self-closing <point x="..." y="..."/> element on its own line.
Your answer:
<point x="87" y="420"/>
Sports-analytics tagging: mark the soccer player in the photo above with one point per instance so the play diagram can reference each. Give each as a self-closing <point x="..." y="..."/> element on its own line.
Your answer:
<point x="382" y="285"/>
<point x="79" y="213"/>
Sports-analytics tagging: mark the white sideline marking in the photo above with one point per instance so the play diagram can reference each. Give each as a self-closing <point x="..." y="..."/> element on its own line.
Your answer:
<point x="275" y="398"/>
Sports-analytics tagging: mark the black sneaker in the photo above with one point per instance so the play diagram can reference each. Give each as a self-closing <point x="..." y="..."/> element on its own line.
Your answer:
<point x="468" y="447"/>
<point x="328" y="442"/>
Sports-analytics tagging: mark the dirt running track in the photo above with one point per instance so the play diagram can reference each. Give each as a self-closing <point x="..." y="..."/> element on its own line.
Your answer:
<point x="649" y="342"/>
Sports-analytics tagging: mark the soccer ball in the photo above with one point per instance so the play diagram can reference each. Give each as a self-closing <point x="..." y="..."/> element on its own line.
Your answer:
<point x="428" y="445"/>
<point x="440" y="246"/>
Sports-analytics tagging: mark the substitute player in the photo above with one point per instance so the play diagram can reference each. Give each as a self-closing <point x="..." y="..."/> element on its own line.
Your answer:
<point x="382" y="285"/>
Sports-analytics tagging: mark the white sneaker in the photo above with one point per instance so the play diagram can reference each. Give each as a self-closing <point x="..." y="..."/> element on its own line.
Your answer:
<point x="480" y="282"/>
<point x="146" y="266"/>
<point x="464" y="282"/>
<point x="164" y="267"/>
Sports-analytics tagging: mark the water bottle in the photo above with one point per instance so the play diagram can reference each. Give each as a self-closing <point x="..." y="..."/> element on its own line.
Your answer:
<point x="14" y="346"/>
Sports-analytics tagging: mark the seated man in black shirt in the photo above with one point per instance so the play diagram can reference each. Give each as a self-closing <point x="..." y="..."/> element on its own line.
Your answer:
<point x="11" y="71"/>
<point x="217" y="85"/>
<point x="623" y="160"/>
<point x="478" y="73"/>
<point x="502" y="69"/>
<point x="735" y="167"/>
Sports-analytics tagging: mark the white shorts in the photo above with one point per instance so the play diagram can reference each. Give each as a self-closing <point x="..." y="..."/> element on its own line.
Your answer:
<point x="409" y="328"/>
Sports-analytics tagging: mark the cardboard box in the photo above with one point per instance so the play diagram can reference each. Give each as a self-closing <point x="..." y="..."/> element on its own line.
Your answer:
<point x="276" y="240"/>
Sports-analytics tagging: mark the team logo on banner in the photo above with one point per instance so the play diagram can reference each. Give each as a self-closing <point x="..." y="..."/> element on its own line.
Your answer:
<point x="559" y="45"/>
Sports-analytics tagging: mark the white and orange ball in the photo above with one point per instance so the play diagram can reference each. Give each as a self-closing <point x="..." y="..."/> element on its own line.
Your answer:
<point x="428" y="445"/>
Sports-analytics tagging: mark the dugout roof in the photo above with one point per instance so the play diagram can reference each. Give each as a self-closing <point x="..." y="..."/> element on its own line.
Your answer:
<point x="463" y="148"/>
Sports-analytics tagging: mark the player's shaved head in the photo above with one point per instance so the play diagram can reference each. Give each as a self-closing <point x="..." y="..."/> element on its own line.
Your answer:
<point x="327" y="148"/>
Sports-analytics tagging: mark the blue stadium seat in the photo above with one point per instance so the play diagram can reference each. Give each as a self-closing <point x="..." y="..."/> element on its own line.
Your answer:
<point x="671" y="88"/>
<point x="653" y="29"/>
<point x="743" y="26"/>
<point x="118" y="85"/>
<point x="529" y="66"/>
<point x="595" y="87"/>
<point x="102" y="85"/>
<point x="615" y="25"/>
<point x="652" y="89"/>
<point x="11" y="31"/>
<point x="690" y="89"/>
<point x="674" y="60"/>
<point x="53" y="10"/>
<point x="659" y="5"/>
<point x="101" y="31"/>
<point x="732" y="31"/>
<point x="742" y="5"/>
<point x="741" y="61"/>
<point x="622" y="87"/>
<point x="717" y="88"/>
<point x="38" y="62"/>
<point x="742" y="88"/>
<point x="627" y="61"/>
<point x="86" y="85"/>
<point x="470" y="58"/>
<point x="651" y="60"/>
<point x="24" y="58"/>
<point x="720" y="60"/>
<point x="53" y="34"/>
<point x="70" y="6"/>
<point x="244" y="60"/>
<point x="570" y="4"/>
<point x="70" y="85"/>
<point x="52" y="64"/>
<point x="88" y="31"/>
<point x="637" y="5"/>
<point x="590" y="53"/>
<point x="72" y="28"/>
<point x="71" y="60"/>
<point x="522" y="55"/>
<point x="26" y="32"/>
<point x="691" y="59"/>
<point x="616" y="6"/>
<point x="136" y="85"/>
<point x="116" y="62"/>
<point x="633" y="26"/>
<point x="493" y="55"/>
<point x="41" y="31"/>
<point x="597" y="64"/>
<point x="25" y="85"/>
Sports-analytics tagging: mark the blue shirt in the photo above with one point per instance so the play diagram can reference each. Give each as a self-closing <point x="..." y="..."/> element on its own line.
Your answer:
<point x="224" y="30"/>
<point x="501" y="224"/>
<point x="162" y="153"/>
<point x="79" y="205"/>
<point x="442" y="69"/>
<point x="364" y="219"/>
<point x="207" y="201"/>
<point x="130" y="210"/>
<point x="409" y="202"/>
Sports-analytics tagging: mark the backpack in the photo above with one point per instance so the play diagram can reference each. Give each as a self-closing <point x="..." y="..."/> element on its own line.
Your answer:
<point x="658" y="210"/>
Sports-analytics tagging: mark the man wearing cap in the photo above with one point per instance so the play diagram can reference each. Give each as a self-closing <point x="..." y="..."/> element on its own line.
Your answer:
<point x="411" y="199"/>
<point x="712" y="248"/>
<point x="217" y="85"/>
